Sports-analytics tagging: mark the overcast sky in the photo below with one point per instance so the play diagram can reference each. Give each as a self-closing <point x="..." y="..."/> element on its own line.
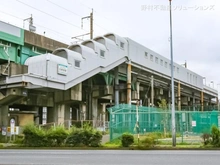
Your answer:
<point x="196" y="25"/>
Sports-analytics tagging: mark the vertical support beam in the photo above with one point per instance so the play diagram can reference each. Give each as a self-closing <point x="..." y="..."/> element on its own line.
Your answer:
<point x="83" y="111"/>
<point x="217" y="103"/>
<point x="202" y="101"/>
<point x="91" y="25"/>
<point x="95" y="111"/>
<point x="169" y="99"/>
<point x="129" y="83"/>
<point x="179" y="96"/>
<point x="50" y="115"/>
<point x="4" y="115"/>
<point x="36" y="115"/>
<point x="103" y="115"/>
<point x="60" y="114"/>
<point x="138" y="89"/>
<point x="89" y="100"/>
<point x="116" y="87"/>
<point x="152" y="90"/>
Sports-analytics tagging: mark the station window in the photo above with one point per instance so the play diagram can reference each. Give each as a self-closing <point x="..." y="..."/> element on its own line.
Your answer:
<point x="122" y="45"/>
<point x="165" y="64"/>
<point x="151" y="57"/>
<point x="146" y="55"/>
<point x="161" y="62"/>
<point x="102" y="53"/>
<point x="177" y="69"/>
<point x="156" y="60"/>
<point x="77" y="63"/>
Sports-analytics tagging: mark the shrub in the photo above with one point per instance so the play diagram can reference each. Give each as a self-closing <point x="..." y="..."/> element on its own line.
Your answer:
<point x="84" y="137"/>
<point x="206" y="138"/>
<point x="127" y="139"/>
<point x="215" y="136"/>
<point x="149" y="141"/>
<point x="34" y="137"/>
<point x="56" y="136"/>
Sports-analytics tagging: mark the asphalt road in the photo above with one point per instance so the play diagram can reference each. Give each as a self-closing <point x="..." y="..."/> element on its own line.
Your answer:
<point x="108" y="157"/>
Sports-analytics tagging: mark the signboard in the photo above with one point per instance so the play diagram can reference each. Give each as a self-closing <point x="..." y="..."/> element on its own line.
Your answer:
<point x="62" y="69"/>
<point x="4" y="131"/>
<point x="194" y="123"/>
<point x="12" y="125"/>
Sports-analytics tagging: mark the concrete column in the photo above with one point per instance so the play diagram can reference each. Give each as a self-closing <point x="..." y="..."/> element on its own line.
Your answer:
<point x="152" y="91"/>
<point x="95" y="111"/>
<point x="138" y="89"/>
<point x="116" y="87"/>
<point x="36" y="115"/>
<point x="82" y="111"/>
<point x="193" y="103"/>
<point x="51" y="115"/>
<point x="4" y="115"/>
<point x="169" y="99"/>
<point x="179" y="96"/>
<point x="129" y="83"/>
<point x="89" y="101"/>
<point x="202" y="101"/>
<point x="60" y="114"/>
<point x="103" y="115"/>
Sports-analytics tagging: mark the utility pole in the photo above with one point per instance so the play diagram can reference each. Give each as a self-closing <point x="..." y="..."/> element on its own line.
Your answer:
<point x="91" y="23"/>
<point x="172" y="83"/>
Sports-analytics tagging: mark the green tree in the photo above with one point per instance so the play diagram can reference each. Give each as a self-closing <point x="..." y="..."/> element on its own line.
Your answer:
<point x="163" y="105"/>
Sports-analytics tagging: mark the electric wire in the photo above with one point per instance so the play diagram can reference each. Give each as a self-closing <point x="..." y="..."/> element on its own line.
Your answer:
<point x="49" y="15"/>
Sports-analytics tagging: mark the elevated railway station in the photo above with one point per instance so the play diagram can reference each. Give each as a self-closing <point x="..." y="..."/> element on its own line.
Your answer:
<point x="46" y="81"/>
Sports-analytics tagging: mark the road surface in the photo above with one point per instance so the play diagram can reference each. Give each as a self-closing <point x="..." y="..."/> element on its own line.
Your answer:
<point x="108" y="157"/>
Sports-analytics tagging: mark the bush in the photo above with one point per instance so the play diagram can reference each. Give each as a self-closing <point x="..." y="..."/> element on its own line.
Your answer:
<point x="127" y="139"/>
<point x="206" y="138"/>
<point x="149" y="141"/>
<point x="215" y="136"/>
<point x="84" y="137"/>
<point x="34" y="137"/>
<point x="56" y="136"/>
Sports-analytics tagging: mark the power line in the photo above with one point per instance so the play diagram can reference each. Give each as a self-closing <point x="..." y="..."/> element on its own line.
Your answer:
<point x="36" y="24"/>
<point x="75" y="13"/>
<point x="64" y="8"/>
<point x="11" y="15"/>
<point x="48" y="14"/>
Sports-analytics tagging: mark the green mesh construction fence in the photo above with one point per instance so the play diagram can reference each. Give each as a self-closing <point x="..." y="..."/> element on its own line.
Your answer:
<point x="123" y="118"/>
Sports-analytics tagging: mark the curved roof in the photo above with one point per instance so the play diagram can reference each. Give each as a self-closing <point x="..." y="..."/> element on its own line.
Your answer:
<point x="67" y="53"/>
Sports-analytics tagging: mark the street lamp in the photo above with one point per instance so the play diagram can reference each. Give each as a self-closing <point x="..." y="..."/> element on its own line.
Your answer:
<point x="172" y="83"/>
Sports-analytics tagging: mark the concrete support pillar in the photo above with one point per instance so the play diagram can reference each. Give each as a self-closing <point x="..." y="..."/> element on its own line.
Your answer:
<point x="60" y="114"/>
<point x="193" y="103"/>
<point x="179" y="96"/>
<point x="217" y="103"/>
<point x="4" y="115"/>
<point x="116" y="87"/>
<point x="89" y="101"/>
<point x="202" y="101"/>
<point x="95" y="111"/>
<point x="152" y="91"/>
<point x="169" y="99"/>
<point x="138" y="89"/>
<point x="51" y="115"/>
<point x="103" y="115"/>
<point x="36" y="115"/>
<point x="83" y="111"/>
<point x="129" y="83"/>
